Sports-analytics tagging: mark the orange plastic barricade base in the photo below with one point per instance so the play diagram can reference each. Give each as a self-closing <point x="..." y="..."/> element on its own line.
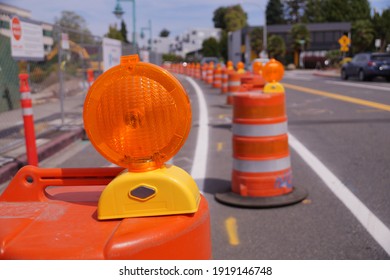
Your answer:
<point x="52" y="214"/>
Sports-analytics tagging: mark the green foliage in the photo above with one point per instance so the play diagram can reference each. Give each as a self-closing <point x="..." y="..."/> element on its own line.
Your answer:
<point x="164" y="33"/>
<point x="276" y="47"/>
<point x="294" y="10"/>
<point x="219" y="17"/>
<point x="256" y="40"/>
<point x="230" y="18"/>
<point x="114" y="33"/>
<point x="313" y="11"/>
<point x="172" y="58"/>
<point x="300" y="32"/>
<point x="334" y="57"/>
<point x="381" y="23"/>
<point x="71" y="21"/>
<point x="274" y="12"/>
<point x="362" y="35"/>
<point x="211" y="47"/>
<point x="123" y="31"/>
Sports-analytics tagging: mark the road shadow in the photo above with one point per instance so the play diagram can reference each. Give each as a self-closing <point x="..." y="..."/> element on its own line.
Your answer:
<point x="215" y="185"/>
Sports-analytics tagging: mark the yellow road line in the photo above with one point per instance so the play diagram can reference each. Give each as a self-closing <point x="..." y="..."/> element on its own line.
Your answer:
<point x="340" y="97"/>
<point x="231" y="228"/>
<point x="219" y="146"/>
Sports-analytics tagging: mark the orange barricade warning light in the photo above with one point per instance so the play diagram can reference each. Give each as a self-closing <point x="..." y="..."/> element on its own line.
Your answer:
<point x="138" y="116"/>
<point x="273" y="72"/>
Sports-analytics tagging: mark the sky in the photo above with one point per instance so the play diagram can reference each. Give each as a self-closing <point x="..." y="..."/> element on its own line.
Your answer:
<point x="177" y="16"/>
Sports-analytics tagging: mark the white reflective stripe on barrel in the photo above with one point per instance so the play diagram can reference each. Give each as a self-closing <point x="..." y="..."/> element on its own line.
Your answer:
<point x="255" y="166"/>
<point x="231" y="83"/>
<point x="259" y="129"/>
<point x="27" y="111"/>
<point x="25" y="95"/>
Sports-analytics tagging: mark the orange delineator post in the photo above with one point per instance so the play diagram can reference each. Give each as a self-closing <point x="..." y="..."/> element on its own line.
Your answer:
<point x="50" y="213"/>
<point x="90" y="77"/>
<point x="28" y="120"/>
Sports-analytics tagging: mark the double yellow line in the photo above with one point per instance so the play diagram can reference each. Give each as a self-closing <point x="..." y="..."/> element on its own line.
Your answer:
<point x="339" y="97"/>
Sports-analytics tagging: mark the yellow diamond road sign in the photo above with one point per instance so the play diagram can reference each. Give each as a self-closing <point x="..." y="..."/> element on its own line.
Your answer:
<point x="344" y="41"/>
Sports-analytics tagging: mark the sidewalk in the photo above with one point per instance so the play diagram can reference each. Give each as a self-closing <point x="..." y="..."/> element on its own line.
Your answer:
<point x="52" y="132"/>
<point x="327" y="73"/>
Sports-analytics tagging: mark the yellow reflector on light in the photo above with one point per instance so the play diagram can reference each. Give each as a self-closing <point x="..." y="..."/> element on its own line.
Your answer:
<point x="137" y="115"/>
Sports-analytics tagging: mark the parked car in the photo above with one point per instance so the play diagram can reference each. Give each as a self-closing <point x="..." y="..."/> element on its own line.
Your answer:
<point x="367" y="66"/>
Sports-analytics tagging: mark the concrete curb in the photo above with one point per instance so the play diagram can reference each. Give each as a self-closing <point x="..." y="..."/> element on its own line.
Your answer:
<point x="56" y="144"/>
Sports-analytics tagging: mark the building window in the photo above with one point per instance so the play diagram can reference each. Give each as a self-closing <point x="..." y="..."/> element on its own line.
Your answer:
<point x="47" y="33"/>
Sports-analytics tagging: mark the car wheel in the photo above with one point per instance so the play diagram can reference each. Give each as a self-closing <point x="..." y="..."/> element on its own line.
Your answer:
<point x="362" y="76"/>
<point x="344" y="75"/>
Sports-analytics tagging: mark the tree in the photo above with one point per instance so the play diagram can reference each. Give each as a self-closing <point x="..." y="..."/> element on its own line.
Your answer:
<point x="276" y="47"/>
<point x="256" y="40"/>
<point x="313" y="12"/>
<point x="210" y="47"/>
<point x="381" y="23"/>
<point x="164" y="33"/>
<point x="359" y="10"/>
<point x="335" y="10"/>
<point x="114" y="33"/>
<point x="70" y="21"/>
<point x="274" y="12"/>
<point x="218" y="18"/>
<point x="230" y="18"/>
<point x="123" y="31"/>
<point x="362" y="35"/>
<point x="294" y="10"/>
<point x="299" y="34"/>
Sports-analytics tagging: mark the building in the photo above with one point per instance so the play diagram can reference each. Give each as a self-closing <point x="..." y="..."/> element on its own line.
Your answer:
<point x="323" y="37"/>
<point x="8" y="11"/>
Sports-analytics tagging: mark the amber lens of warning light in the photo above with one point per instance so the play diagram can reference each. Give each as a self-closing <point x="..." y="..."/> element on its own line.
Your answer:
<point x="137" y="115"/>
<point x="273" y="71"/>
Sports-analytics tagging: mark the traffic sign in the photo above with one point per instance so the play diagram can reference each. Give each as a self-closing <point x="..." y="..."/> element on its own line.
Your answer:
<point x="344" y="41"/>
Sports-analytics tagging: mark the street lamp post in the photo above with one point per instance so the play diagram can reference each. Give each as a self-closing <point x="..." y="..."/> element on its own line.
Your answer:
<point x="118" y="12"/>
<point x="150" y="33"/>
<point x="264" y="27"/>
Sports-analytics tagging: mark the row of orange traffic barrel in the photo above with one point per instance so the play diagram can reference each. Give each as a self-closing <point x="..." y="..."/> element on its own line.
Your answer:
<point x="261" y="166"/>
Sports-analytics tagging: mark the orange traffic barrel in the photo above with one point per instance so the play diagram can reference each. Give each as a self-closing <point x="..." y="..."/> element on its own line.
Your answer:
<point x="234" y="86"/>
<point x="261" y="175"/>
<point x="204" y="72"/>
<point x="210" y="73"/>
<point x="217" y="80"/>
<point x="52" y="214"/>
<point x="224" y="80"/>
<point x="197" y="71"/>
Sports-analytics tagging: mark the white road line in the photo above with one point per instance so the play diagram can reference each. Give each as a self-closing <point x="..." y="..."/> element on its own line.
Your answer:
<point x="358" y="85"/>
<point x="373" y="225"/>
<point x="198" y="171"/>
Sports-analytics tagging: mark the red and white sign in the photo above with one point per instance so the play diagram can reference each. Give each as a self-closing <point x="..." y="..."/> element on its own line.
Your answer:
<point x="16" y="28"/>
<point x="26" y="40"/>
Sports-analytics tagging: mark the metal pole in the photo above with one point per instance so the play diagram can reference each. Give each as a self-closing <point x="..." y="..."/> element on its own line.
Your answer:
<point x="134" y="40"/>
<point x="60" y="76"/>
<point x="265" y="32"/>
<point x="150" y="35"/>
